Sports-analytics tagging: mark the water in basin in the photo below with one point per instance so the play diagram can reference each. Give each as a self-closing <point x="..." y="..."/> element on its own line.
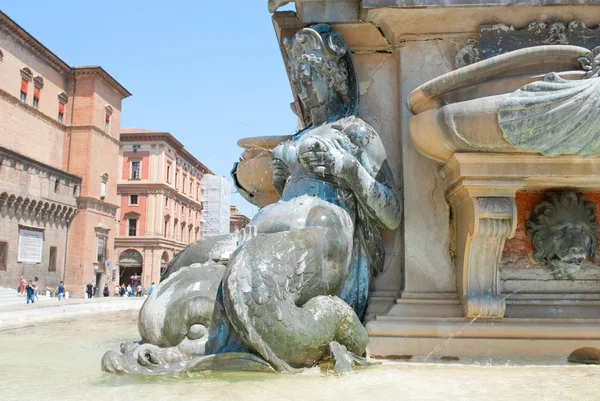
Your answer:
<point x="61" y="361"/>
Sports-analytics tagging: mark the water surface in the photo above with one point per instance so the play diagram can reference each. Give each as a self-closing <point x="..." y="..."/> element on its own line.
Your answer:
<point x="61" y="361"/>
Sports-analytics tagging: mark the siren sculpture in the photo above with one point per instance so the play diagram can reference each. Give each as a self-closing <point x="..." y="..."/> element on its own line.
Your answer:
<point x="295" y="290"/>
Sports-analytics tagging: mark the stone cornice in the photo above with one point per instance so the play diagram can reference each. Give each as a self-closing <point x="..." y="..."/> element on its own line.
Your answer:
<point x="145" y="187"/>
<point x="8" y="154"/>
<point x="33" y="44"/>
<point x="37" y="208"/>
<point x="153" y="241"/>
<point x="96" y="130"/>
<point x="105" y="76"/>
<point x="150" y="136"/>
<point x="88" y="202"/>
<point x="29" y="109"/>
<point x="370" y="4"/>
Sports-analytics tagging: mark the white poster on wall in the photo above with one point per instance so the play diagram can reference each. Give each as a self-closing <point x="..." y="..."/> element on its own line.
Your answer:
<point x="30" y="246"/>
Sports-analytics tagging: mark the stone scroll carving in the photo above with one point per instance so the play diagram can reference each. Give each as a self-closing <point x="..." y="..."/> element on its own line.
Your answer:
<point x="295" y="290"/>
<point x="564" y="232"/>
<point x="556" y="116"/>
<point x="483" y="224"/>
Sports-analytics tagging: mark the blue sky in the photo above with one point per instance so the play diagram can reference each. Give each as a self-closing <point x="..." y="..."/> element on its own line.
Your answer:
<point x="208" y="72"/>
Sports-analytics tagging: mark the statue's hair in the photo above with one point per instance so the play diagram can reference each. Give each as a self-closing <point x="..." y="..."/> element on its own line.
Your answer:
<point x="335" y="72"/>
<point x="543" y="215"/>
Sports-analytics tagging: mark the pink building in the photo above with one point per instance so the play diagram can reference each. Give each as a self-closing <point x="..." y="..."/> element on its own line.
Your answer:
<point x="237" y="221"/>
<point x="159" y="187"/>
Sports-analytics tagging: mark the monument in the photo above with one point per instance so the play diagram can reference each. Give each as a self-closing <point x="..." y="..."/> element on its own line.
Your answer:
<point x="486" y="245"/>
<point x="295" y="290"/>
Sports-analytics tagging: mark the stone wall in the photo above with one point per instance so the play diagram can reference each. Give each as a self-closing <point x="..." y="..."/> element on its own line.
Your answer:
<point x="32" y="199"/>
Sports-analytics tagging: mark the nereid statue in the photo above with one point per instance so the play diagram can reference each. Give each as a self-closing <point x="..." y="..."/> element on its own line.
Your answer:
<point x="295" y="290"/>
<point x="564" y="232"/>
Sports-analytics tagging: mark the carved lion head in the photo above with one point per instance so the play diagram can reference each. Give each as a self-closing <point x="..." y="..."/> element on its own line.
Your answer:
<point x="564" y="232"/>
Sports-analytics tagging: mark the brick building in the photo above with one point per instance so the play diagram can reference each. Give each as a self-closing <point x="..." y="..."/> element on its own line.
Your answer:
<point x="59" y="127"/>
<point x="160" y="189"/>
<point x="237" y="221"/>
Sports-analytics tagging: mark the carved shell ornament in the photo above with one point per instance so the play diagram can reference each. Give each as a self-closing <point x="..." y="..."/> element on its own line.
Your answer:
<point x="556" y="116"/>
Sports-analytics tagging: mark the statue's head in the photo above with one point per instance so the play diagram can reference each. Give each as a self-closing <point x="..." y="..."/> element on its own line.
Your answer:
<point x="322" y="72"/>
<point x="564" y="232"/>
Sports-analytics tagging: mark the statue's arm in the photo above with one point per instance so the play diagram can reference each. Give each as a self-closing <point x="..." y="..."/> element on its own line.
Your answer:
<point x="377" y="198"/>
<point x="370" y="177"/>
<point x="280" y="156"/>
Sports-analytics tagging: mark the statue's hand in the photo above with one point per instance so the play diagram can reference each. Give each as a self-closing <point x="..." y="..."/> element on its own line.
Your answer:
<point x="280" y="174"/>
<point x="327" y="159"/>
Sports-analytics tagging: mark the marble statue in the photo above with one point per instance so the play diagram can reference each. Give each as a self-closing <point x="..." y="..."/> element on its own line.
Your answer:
<point x="295" y="290"/>
<point x="564" y="232"/>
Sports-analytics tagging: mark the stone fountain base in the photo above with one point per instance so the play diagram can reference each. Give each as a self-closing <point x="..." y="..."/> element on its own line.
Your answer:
<point x="505" y="338"/>
<point x="498" y="310"/>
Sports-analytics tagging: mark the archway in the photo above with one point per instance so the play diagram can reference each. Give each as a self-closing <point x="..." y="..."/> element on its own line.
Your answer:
<point x="164" y="260"/>
<point x="130" y="264"/>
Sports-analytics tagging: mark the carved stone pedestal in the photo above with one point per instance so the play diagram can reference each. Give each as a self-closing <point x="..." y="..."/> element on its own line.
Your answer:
<point x="544" y="319"/>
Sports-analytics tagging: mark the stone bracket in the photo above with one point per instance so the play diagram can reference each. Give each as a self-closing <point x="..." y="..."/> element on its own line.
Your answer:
<point x="482" y="226"/>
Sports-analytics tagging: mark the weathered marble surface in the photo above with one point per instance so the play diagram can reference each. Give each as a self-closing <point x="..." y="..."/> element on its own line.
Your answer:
<point x="556" y="116"/>
<point x="564" y="232"/>
<point x="295" y="289"/>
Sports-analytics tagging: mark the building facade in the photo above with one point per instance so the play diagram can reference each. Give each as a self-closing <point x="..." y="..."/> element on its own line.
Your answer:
<point x="160" y="189"/>
<point x="37" y="204"/>
<point x="216" y="201"/>
<point x="237" y="221"/>
<point x="62" y="122"/>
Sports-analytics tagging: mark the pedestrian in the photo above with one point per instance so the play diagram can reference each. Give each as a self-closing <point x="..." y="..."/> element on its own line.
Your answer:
<point x="139" y="290"/>
<point x="30" y="289"/>
<point x="116" y="291"/>
<point x="60" y="292"/>
<point x="129" y="290"/>
<point x="36" y="287"/>
<point x="89" y="289"/>
<point x="105" y="291"/>
<point x="122" y="290"/>
<point x="22" y="284"/>
<point x="152" y="288"/>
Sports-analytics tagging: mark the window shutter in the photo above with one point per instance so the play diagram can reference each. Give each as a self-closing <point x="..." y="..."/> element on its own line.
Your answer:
<point x="61" y="108"/>
<point x="108" y="118"/>
<point x="24" y="85"/>
<point x="36" y="93"/>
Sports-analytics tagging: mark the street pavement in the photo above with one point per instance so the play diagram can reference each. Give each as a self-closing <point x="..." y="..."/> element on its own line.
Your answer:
<point x="15" y="315"/>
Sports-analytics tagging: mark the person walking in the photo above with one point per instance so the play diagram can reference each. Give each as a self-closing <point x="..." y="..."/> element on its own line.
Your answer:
<point x="60" y="292"/>
<point x="105" y="292"/>
<point x="36" y="287"/>
<point x="116" y="291"/>
<point x="30" y="290"/>
<point x="152" y="288"/>
<point x="90" y="289"/>
<point x="139" y="290"/>
<point x="129" y="290"/>
<point x="122" y="290"/>
<point x="22" y="284"/>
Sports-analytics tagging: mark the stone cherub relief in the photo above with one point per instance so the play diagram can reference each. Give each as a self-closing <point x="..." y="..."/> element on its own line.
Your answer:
<point x="564" y="232"/>
<point x="295" y="290"/>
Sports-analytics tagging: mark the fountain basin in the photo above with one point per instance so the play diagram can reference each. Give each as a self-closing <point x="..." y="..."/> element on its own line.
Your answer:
<point x="67" y="354"/>
<point x="458" y="111"/>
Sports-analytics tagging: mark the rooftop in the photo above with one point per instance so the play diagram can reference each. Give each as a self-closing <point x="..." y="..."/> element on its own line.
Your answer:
<point x="52" y="59"/>
<point x="139" y="134"/>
